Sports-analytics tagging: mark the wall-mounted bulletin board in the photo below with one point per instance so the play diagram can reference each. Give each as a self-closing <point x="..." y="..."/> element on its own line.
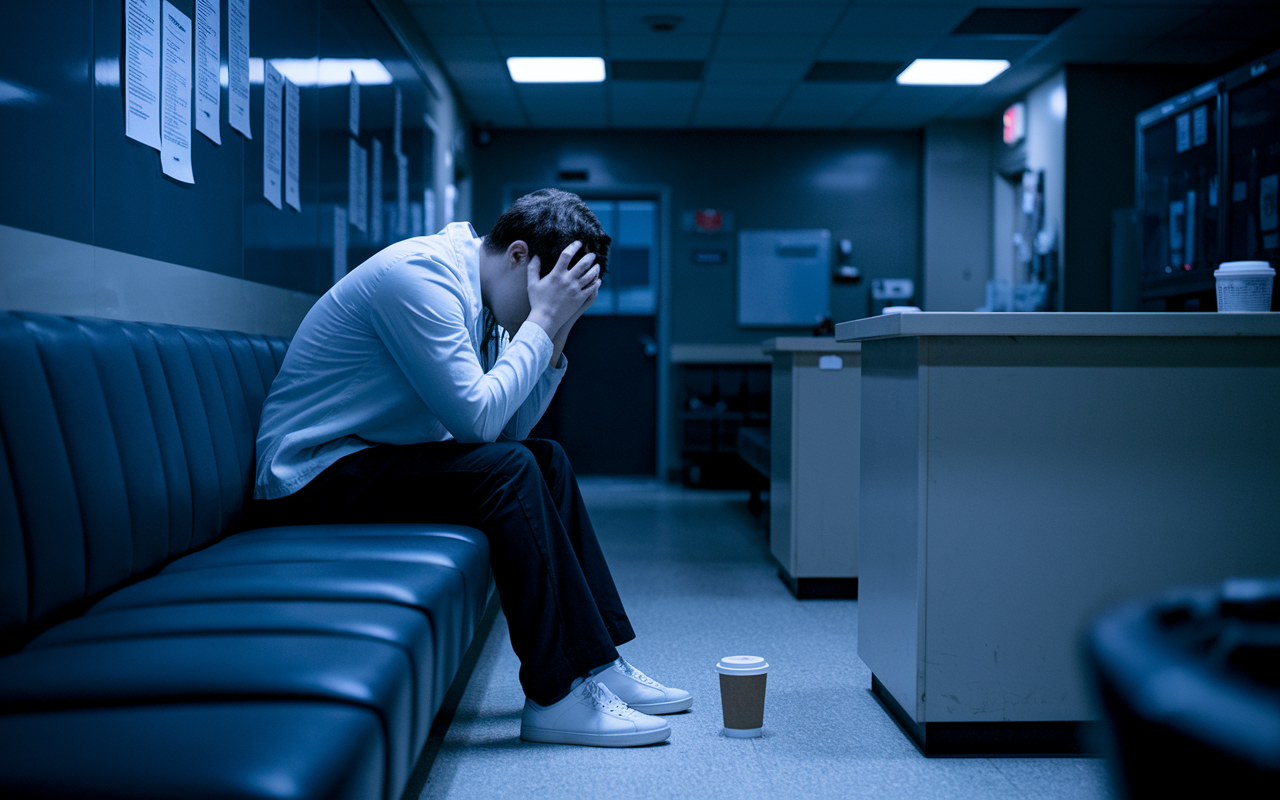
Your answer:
<point x="69" y="170"/>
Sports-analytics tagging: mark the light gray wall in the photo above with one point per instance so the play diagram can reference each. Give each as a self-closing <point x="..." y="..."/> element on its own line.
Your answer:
<point x="957" y="215"/>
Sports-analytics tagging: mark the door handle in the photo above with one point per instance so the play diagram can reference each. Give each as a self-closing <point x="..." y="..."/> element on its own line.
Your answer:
<point x="649" y="345"/>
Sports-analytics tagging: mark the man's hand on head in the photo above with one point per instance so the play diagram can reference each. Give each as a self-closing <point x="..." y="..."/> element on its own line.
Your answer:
<point x="564" y="293"/>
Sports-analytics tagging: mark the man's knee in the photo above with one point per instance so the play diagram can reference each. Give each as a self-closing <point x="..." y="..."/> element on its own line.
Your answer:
<point x="549" y="453"/>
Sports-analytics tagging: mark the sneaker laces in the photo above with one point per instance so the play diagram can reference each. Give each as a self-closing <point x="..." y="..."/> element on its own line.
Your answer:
<point x="600" y="697"/>
<point x="632" y="672"/>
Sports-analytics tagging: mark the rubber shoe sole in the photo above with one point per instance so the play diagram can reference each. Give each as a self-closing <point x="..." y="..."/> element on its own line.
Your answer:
<point x="669" y="707"/>
<point x="635" y="739"/>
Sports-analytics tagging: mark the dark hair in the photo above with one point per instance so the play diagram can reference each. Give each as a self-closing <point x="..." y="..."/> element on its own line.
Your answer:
<point x="548" y="221"/>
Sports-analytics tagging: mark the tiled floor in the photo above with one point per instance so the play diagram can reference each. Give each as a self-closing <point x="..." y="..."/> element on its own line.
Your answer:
<point x="695" y="574"/>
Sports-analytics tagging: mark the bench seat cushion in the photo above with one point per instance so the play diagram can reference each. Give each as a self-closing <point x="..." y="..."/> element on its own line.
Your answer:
<point x="405" y="628"/>
<point x="409" y="544"/>
<point x="361" y="672"/>
<point x="196" y="751"/>
<point x="431" y="589"/>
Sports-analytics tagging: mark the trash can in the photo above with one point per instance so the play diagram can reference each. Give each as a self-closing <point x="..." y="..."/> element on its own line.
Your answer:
<point x="1189" y="683"/>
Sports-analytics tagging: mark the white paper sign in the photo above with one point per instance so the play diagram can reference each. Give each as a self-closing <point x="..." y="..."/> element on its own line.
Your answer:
<point x="1182" y="124"/>
<point x="272" y="130"/>
<point x="402" y="195"/>
<point x="357" y="185"/>
<point x="208" y="49"/>
<point x="175" y="96"/>
<point x="397" y="138"/>
<point x="291" y="134"/>
<point x="142" y="71"/>
<point x="339" y="243"/>
<point x="238" y="66"/>
<point x="353" y="106"/>
<point x="375" y="191"/>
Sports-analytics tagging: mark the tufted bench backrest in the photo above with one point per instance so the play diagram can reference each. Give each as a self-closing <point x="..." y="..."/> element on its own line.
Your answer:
<point x="122" y="446"/>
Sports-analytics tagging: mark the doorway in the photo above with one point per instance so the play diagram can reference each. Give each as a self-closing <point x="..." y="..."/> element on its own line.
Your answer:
<point x="605" y="413"/>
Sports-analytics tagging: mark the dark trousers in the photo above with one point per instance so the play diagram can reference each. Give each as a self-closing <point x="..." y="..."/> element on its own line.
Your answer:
<point x="562" y="607"/>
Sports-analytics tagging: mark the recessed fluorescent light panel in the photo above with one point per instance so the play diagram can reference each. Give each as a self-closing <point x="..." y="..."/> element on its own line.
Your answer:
<point x="952" y="71"/>
<point x="321" y="71"/>
<point x="556" y="70"/>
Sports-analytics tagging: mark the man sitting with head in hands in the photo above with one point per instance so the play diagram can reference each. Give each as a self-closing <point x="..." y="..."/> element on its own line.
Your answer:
<point x="404" y="398"/>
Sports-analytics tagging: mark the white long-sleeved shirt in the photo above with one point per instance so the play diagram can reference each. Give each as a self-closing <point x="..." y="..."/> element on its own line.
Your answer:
<point x="391" y="355"/>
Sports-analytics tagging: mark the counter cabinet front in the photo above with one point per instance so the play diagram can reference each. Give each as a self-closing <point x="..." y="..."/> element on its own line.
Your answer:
<point x="813" y="470"/>
<point x="1020" y="473"/>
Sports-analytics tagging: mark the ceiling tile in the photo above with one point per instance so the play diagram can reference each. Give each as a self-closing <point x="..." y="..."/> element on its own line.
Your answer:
<point x="746" y="92"/>
<point x="550" y="45"/>
<point x="464" y="48"/>
<point x="654" y="46"/>
<point x="1107" y="22"/>
<point x="630" y="19"/>
<point x="549" y="18"/>
<point x="1089" y="51"/>
<point x="834" y="94"/>
<point x="436" y="19"/>
<point x="673" y="113"/>
<point x="897" y="20"/>
<point x="862" y="48"/>
<point x="720" y="71"/>
<point x="766" y="48"/>
<point x="493" y="73"/>
<point x="715" y="115"/>
<point x="972" y="47"/>
<point x="654" y="91"/>
<point x="779" y="19"/>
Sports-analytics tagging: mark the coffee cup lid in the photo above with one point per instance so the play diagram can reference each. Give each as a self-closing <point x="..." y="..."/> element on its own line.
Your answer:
<point x="742" y="665"/>
<point x="1244" y="267"/>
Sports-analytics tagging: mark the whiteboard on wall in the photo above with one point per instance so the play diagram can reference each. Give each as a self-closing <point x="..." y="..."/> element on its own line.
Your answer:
<point x="784" y="278"/>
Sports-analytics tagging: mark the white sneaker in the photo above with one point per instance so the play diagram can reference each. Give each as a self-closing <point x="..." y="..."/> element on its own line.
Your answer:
<point x="590" y="715"/>
<point x="641" y="692"/>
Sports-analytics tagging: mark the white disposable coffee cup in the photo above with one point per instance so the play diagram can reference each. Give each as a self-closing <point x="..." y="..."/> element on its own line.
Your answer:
<point x="742" y="685"/>
<point x="1244" y="286"/>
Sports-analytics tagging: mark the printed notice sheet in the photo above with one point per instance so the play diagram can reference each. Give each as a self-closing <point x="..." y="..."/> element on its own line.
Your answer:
<point x="272" y="130"/>
<point x="208" y="92"/>
<point x="142" y="71"/>
<point x="402" y="195"/>
<point x="175" y="96"/>
<point x="375" y="192"/>
<point x="353" y="106"/>
<point x="397" y="137"/>
<point x="339" y="243"/>
<point x="238" y="66"/>
<point x="357" y="185"/>
<point x="291" y="133"/>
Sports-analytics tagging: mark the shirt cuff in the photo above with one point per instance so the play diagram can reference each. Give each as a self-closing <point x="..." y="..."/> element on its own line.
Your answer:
<point x="531" y="333"/>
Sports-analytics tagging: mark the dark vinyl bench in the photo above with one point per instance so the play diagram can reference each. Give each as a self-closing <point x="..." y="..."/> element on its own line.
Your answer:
<point x="148" y="647"/>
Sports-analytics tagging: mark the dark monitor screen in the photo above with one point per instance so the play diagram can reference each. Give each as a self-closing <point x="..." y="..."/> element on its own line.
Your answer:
<point x="1179" y="190"/>
<point x="1254" y="171"/>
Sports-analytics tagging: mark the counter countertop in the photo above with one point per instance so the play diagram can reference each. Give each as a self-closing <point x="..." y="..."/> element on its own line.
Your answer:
<point x="1053" y="323"/>
<point x="809" y="344"/>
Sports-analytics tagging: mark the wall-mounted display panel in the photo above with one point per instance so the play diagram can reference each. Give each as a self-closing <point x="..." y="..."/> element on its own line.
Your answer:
<point x="784" y="278"/>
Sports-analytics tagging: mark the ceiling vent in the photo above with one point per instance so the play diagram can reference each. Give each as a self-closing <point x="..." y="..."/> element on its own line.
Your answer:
<point x="656" y="70"/>
<point x="662" y="23"/>
<point x="869" y="71"/>
<point x="1014" y="21"/>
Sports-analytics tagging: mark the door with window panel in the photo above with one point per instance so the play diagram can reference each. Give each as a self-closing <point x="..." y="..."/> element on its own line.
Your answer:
<point x="605" y="411"/>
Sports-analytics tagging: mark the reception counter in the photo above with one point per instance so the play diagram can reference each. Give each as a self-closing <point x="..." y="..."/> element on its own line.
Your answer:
<point x="1022" y="472"/>
<point x="813" y="481"/>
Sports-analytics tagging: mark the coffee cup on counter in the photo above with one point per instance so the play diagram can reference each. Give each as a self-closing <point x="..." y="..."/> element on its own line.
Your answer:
<point x="1244" y="286"/>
